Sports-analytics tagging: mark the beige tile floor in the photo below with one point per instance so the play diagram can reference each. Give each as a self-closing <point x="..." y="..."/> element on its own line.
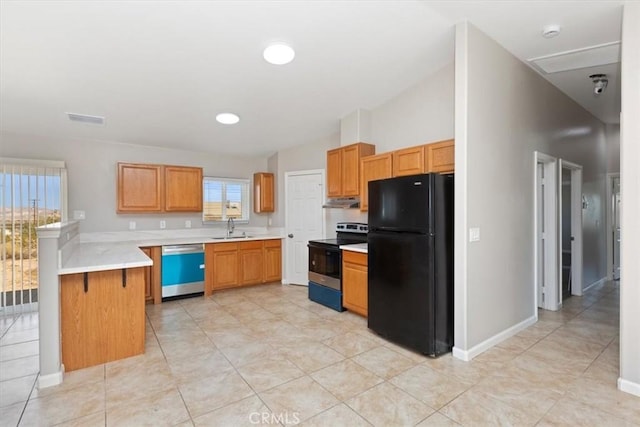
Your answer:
<point x="267" y="355"/>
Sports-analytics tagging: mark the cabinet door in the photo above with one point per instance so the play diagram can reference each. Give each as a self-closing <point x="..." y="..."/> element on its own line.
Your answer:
<point x="350" y="171"/>
<point x="272" y="261"/>
<point x="263" y="192"/>
<point x="334" y="173"/>
<point x="440" y="156"/>
<point x="408" y="161"/>
<point x="371" y="168"/>
<point x="125" y="312"/>
<point x="139" y="188"/>
<point x="225" y="265"/>
<point x="183" y="189"/>
<point x="354" y="282"/>
<point x="251" y="263"/>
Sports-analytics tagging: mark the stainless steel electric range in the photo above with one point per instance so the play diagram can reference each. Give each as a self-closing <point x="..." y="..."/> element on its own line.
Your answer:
<point x="325" y="263"/>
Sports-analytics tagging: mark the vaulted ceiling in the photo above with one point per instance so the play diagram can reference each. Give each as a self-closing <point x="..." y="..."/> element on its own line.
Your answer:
<point x="159" y="72"/>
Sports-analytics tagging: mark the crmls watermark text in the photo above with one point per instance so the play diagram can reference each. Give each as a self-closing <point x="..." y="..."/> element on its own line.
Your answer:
<point x="269" y="418"/>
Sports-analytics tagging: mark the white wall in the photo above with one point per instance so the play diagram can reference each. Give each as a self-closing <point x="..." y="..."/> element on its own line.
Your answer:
<point x="629" y="380"/>
<point x="505" y="112"/>
<point x="422" y="113"/>
<point x="612" y="131"/>
<point x="91" y="169"/>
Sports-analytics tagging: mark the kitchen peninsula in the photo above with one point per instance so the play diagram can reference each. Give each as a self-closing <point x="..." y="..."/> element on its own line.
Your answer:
<point x="92" y="292"/>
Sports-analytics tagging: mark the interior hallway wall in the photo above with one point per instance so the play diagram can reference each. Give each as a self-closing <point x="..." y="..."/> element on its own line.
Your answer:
<point x="504" y="113"/>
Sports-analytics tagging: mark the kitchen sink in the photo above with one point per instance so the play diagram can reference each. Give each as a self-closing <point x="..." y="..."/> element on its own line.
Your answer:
<point x="232" y="237"/>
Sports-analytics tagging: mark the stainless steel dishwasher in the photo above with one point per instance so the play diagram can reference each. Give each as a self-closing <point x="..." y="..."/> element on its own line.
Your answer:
<point x="182" y="270"/>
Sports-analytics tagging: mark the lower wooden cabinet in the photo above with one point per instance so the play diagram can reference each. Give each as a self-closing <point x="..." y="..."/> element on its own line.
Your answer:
<point x="272" y="261"/>
<point x="355" y="288"/>
<point x="102" y="316"/>
<point x="251" y="260"/>
<point x="232" y="264"/>
<point x="152" y="276"/>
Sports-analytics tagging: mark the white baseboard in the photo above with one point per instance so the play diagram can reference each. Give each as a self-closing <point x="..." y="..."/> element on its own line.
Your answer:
<point x="50" y="380"/>
<point x="485" y="345"/>
<point x="285" y="281"/>
<point x="596" y="283"/>
<point x="629" y="387"/>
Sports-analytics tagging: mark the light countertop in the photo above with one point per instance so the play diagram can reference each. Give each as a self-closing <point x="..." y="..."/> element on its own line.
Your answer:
<point x="358" y="247"/>
<point x="90" y="256"/>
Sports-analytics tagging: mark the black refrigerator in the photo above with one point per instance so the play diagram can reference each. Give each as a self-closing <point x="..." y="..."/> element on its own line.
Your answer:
<point x="410" y="261"/>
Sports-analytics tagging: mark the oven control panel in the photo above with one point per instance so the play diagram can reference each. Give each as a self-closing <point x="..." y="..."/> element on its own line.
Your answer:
<point x="352" y="227"/>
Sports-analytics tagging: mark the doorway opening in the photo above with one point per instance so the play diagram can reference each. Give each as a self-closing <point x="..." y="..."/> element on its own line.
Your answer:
<point x="613" y="226"/>
<point x="570" y="244"/>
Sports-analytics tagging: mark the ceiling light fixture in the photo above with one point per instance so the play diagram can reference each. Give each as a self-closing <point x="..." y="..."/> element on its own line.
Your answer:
<point x="550" y="31"/>
<point x="279" y="54"/>
<point x="86" y="118"/>
<point x="227" y="118"/>
<point x="600" y="82"/>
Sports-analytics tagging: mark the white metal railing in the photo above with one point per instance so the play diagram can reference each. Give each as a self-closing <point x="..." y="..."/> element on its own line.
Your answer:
<point x="32" y="193"/>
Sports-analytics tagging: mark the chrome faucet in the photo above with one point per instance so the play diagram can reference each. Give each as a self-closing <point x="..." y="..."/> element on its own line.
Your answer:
<point x="230" y="227"/>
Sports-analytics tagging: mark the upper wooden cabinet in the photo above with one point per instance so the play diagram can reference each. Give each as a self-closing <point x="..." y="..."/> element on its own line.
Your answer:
<point x="371" y="168"/>
<point x="440" y="156"/>
<point x="140" y="188"/>
<point x="343" y="169"/>
<point x="263" y="192"/>
<point x="182" y="189"/>
<point x="144" y="188"/>
<point x="408" y="161"/>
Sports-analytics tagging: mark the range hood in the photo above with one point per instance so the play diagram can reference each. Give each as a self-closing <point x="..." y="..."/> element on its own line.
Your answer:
<point x="345" y="203"/>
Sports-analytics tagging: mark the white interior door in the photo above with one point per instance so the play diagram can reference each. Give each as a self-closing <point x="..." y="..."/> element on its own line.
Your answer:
<point x="304" y="221"/>
<point x="570" y="233"/>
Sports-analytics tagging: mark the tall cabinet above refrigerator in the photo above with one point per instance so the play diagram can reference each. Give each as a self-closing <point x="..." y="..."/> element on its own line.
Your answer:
<point x="410" y="261"/>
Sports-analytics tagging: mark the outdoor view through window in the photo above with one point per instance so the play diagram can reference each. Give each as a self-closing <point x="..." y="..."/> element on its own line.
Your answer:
<point x="225" y="198"/>
<point x="30" y="196"/>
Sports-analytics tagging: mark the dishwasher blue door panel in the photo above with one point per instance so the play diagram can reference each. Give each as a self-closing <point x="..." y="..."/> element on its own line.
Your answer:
<point x="183" y="268"/>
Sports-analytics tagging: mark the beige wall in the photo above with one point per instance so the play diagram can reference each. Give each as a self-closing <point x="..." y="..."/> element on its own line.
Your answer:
<point x="630" y="182"/>
<point x="612" y="131"/>
<point x="422" y="113"/>
<point x="505" y="112"/>
<point x="91" y="167"/>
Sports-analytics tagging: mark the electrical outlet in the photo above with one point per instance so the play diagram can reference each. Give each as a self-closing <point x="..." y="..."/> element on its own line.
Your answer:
<point x="78" y="215"/>
<point x="132" y="225"/>
<point x="163" y="224"/>
<point x="187" y="224"/>
<point x="269" y="222"/>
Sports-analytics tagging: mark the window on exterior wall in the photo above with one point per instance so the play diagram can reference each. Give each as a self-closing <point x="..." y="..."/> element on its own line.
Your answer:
<point x="225" y="198"/>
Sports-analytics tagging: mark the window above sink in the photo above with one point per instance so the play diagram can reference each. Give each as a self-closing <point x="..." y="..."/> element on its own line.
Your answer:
<point x="225" y="198"/>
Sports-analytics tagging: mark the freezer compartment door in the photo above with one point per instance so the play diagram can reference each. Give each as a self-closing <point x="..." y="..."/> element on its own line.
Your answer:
<point x="401" y="289"/>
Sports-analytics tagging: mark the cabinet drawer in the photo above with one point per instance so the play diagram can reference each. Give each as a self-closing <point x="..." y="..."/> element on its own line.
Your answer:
<point x="275" y="243"/>
<point x="354" y="257"/>
<point x="254" y="244"/>
<point x="223" y="247"/>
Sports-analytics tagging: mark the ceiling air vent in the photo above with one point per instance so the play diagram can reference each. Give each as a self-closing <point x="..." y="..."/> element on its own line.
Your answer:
<point x="85" y="118"/>
<point x="604" y="54"/>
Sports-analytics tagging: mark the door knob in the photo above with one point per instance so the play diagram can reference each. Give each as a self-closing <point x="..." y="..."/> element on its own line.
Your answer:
<point x="290" y="236"/>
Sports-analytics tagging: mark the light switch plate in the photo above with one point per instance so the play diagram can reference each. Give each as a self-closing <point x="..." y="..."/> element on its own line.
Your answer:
<point x="474" y="234"/>
<point x="163" y="224"/>
<point x="132" y="225"/>
<point x="78" y="215"/>
<point x="187" y="223"/>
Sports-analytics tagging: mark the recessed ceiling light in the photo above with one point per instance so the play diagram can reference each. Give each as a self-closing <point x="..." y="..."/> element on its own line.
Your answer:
<point x="550" y="31"/>
<point x="279" y="54"/>
<point x="227" y="118"/>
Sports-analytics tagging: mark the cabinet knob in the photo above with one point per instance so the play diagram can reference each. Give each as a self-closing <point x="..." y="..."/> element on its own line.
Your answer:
<point x="290" y="236"/>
